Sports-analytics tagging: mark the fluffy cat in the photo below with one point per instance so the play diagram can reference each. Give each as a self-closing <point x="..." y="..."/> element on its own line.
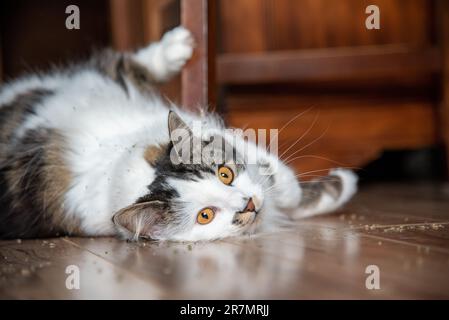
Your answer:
<point x="89" y="151"/>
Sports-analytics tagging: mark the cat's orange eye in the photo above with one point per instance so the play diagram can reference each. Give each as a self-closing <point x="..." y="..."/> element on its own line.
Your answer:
<point x="225" y="175"/>
<point x="205" y="216"/>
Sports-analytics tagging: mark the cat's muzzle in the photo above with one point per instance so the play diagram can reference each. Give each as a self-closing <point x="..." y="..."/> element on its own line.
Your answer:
<point x="247" y="215"/>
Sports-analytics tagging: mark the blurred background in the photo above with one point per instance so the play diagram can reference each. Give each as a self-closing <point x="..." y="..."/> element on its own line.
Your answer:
<point x="377" y="100"/>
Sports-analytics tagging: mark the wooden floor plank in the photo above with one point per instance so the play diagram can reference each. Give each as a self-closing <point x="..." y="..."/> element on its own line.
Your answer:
<point x="404" y="230"/>
<point x="424" y="202"/>
<point x="430" y="236"/>
<point x="334" y="261"/>
<point x="36" y="269"/>
<point x="184" y="270"/>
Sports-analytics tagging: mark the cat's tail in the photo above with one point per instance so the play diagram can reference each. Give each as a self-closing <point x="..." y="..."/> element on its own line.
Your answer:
<point x="327" y="194"/>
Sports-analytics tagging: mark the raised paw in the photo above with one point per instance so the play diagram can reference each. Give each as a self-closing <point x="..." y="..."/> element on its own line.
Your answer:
<point x="177" y="48"/>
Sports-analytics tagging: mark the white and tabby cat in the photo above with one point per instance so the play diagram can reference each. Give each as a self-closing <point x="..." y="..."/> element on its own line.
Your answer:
<point x="87" y="151"/>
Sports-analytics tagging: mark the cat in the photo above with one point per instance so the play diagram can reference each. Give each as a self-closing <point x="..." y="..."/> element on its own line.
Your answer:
<point x="90" y="151"/>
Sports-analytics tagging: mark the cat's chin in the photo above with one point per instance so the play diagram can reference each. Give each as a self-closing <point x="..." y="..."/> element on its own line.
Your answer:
<point x="254" y="226"/>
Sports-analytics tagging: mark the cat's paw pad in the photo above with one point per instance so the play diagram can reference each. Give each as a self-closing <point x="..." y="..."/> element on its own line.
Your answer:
<point x="177" y="46"/>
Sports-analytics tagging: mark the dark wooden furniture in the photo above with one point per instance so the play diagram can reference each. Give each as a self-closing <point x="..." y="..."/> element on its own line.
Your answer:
<point x="198" y="77"/>
<point x="369" y="90"/>
<point x="374" y="90"/>
<point x="443" y="27"/>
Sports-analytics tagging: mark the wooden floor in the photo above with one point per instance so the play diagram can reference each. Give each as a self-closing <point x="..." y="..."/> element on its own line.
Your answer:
<point x="402" y="229"/>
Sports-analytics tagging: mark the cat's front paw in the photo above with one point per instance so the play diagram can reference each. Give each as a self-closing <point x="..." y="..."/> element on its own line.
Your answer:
<point x="177" y="48"/>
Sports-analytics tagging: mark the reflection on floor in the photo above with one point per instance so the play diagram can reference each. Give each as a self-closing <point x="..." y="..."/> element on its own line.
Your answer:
<point x="403" y="230"/>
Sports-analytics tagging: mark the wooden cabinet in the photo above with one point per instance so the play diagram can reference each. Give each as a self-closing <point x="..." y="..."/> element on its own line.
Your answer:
<point x="310" y="67"/>
<point x="358" y="92"/>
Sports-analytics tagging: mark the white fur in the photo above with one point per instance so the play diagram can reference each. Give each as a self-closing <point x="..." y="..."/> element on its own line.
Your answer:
<point x="327" y="203"/>
<point x="107" y="131"/>
<point x="167" y="57"/>
<point x="11" y="90"/>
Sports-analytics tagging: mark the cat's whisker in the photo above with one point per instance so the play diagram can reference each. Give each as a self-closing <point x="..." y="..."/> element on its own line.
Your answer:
<point x="270" y="191"/>
<point x="309" y="144"/>
<point x="290" y="121"/>
<point x="325" y="169"/>
<point x="303" y="135"/>
<point x="287" y="161"/>
<point x="271" y="188"/>
<point x="265" y="179"/>
<point x="311" y="176"/>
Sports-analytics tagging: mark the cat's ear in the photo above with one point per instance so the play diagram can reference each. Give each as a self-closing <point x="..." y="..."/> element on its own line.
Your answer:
<point x="181" y="135"/>
<point x="177" y="127"/>
<point x="145" y="220"/>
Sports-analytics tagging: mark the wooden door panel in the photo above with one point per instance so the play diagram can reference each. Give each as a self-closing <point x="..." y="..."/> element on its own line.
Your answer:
<point x="323" y="46"/>
<point x="333" y="134"/>
<point x="270" y="25"/>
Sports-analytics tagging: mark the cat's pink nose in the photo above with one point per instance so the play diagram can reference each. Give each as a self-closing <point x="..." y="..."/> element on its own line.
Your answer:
<point x="250" y="207"/>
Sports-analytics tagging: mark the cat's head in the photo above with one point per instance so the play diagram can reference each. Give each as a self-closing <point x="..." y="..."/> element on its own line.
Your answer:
<point x="203" y="188"/>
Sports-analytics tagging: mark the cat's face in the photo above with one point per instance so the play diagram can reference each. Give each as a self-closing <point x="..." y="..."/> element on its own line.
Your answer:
<point x="222" y="200"/>
<point x="205" y="194"/>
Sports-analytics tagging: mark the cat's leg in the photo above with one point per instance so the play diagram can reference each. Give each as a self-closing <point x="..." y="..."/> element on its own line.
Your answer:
<point x="165" y="58"/>
<point x="302" y="199"/>
<point x="148" y="66"/>
<point x="326" y="194"/>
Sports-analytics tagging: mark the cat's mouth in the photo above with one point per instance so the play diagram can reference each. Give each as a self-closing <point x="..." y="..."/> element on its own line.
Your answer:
<point x="248" y="215"/>
<point x="242" y="219"/>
